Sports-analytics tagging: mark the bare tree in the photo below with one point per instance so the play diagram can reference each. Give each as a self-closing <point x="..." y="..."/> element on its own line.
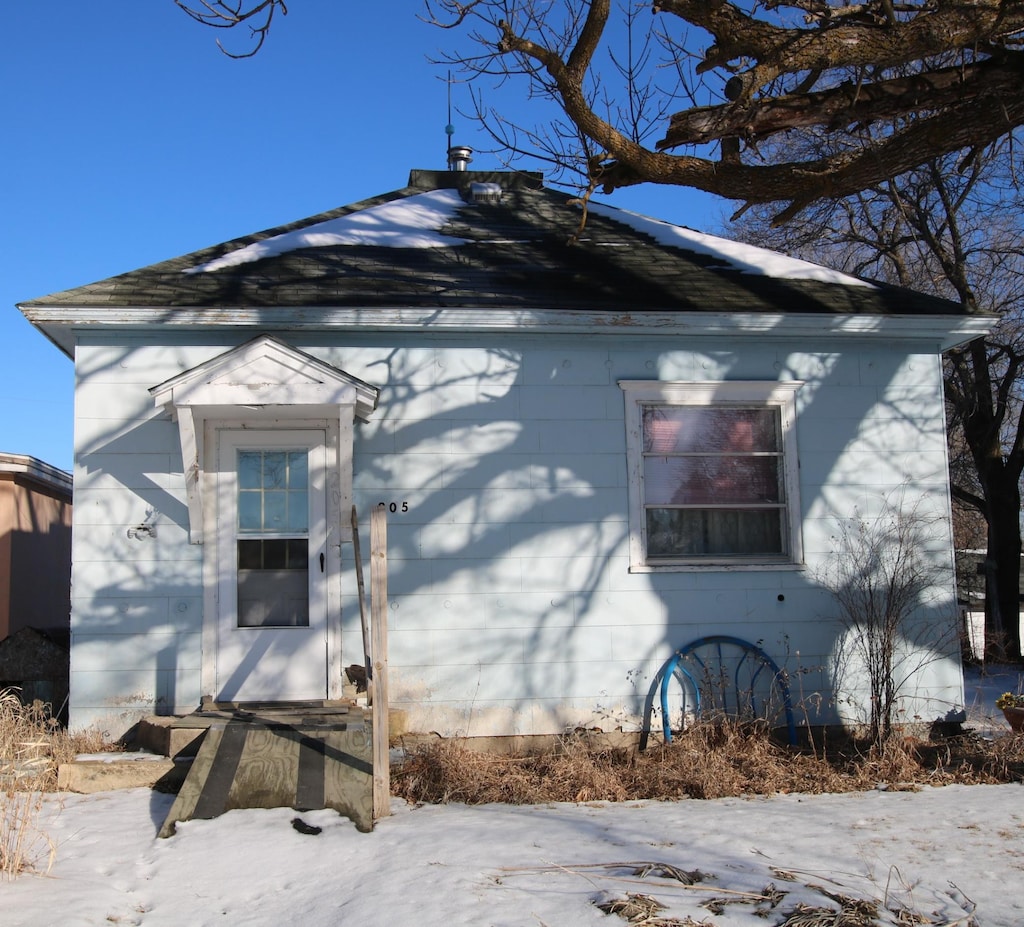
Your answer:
<point x="951" y="227"/>
<point x="689" y="95"/>
<point x="882" y="579"/>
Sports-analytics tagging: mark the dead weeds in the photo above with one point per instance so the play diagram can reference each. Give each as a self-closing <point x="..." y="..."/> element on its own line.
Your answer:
<point x="32" y="746"/>
<point x="799" y="904"/>
<point x="710" y="760"/>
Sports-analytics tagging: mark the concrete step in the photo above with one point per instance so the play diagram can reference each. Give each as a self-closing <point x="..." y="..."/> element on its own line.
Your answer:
<point x="168" y="736"/>
<point x="102" y="772"/>
<point x="271" y="760"/>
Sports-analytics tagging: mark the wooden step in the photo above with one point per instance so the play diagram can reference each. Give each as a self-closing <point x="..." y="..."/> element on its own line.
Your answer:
<point x="279" y="758"/>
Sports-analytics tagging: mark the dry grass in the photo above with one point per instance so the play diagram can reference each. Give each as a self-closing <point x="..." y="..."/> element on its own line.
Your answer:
<point x="710" y="760"/>
<point x="32" y="746"/>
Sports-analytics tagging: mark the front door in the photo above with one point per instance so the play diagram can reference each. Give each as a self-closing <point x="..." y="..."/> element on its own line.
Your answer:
<point x="271" y="577"/>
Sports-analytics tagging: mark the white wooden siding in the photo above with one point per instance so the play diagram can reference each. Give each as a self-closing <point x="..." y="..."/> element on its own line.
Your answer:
<point x="512" y="609"/>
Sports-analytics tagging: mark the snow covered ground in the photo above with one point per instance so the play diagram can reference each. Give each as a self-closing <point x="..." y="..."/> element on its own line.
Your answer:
<point x="945" y="853"/>
<point x="950" y="854"/>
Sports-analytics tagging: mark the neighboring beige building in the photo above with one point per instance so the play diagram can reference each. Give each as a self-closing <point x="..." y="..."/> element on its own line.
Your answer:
<point x="35" y="547"/>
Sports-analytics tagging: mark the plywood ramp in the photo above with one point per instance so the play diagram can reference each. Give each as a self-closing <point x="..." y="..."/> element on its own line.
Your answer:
<point x="278" y="758"/>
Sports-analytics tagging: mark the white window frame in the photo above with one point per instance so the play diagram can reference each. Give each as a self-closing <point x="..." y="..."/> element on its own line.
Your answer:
<point x="737" y="393"/>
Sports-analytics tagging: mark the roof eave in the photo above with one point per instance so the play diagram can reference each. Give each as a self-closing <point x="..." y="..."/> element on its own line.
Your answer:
<point x="36" y="470"/>
<point x="63" y="324"/>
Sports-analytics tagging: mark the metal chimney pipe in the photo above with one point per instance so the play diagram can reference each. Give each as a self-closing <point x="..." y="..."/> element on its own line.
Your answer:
<point x="459" y="157"/>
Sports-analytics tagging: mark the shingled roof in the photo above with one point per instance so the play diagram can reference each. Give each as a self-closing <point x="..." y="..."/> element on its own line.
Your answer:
<point x="467" y="240"/>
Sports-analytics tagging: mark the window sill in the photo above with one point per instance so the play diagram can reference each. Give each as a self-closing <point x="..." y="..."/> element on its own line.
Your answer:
<point x="717" y="566"/>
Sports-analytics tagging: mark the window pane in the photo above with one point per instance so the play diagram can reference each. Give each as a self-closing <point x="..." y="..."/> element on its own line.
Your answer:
<point x="275" y="470"/>
<point x="274" y="510"/>
<point x="298" y="511"/>
<point x="272" y="491"/>
<point x="273" y="598"/>
<point x="680" y="533"/>
<point x="696" y="430"/>
<point x="250" y="469"/>
<point x="275" y="555"/>
<point x="711" y="480"/>
<point x="298" y="470"/>
<point x="250" y="511"/>
<point x="250" y="555"/>
<point x="298" y="553"/>
<point x="273" y="583"/>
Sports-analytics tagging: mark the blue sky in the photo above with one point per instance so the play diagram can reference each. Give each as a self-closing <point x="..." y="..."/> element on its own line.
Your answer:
<point x="128" y="138"/>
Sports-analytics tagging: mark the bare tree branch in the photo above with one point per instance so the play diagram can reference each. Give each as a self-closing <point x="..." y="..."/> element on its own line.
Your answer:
<point x="929" y="77"/>
<point x="953" y="65"/>
<point x="224" y="14"/>
<point x="847" y="104"/>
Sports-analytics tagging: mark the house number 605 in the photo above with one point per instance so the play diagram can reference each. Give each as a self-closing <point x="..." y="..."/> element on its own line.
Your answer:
<point x="394" y="506"/>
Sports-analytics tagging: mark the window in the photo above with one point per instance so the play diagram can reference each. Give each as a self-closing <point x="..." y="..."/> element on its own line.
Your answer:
<point x="712" y="474"/>
<point x="273" y="538"/>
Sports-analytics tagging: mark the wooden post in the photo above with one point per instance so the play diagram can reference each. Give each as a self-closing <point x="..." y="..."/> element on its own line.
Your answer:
<point x="363" y="619"/>
<point x="379" y="648"/>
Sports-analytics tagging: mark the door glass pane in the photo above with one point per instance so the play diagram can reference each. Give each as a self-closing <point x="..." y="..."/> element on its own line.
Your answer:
<point x="275" y="510"/>
<point x="273" y="491"/>
<point x="250" y="511"/>
<point x="298" y="469"/>
<point x="297" y="516"/>
<point x="273" y="570"/>
<point x="275" y="469"/>
<point x="250" y="465"/>
<point x="273" y="599"/>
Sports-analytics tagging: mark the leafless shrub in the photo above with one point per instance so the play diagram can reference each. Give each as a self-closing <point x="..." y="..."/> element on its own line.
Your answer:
<point x="883" y="579"/>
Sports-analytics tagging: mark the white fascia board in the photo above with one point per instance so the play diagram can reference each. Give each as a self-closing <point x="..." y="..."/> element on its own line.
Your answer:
<point x="943" y="331"/>
<point x="35" y="469"/>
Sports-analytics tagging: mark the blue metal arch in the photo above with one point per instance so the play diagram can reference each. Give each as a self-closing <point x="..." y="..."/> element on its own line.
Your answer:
<point x="749" y="651"/>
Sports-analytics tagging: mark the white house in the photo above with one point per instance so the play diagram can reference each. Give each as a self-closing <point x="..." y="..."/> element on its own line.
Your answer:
<point x="595" y="446"/>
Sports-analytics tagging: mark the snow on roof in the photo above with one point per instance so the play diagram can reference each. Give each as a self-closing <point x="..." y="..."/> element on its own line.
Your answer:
<point x="413" y="222"/>
<point x="748" y="259"/>
<point x="484" y="189"/>
<point x="416" y="221"/>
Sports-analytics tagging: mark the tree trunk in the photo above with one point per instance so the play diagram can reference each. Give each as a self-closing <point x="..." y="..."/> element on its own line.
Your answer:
<point x="1002" y="588"/>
